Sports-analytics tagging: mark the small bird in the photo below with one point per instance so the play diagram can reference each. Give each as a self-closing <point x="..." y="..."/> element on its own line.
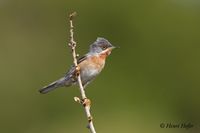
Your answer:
<point x="90" y="66"/>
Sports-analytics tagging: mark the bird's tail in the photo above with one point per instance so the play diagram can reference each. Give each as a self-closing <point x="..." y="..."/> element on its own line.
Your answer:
<point x="52" y="86"/>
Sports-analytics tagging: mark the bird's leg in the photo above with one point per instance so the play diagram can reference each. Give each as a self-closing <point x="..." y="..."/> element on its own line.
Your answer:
<point x="76" y="73"/>
<point x="77" y="70"/>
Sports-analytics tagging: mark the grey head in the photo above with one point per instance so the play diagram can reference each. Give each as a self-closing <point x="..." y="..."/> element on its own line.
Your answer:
<point x="101" y="45"/>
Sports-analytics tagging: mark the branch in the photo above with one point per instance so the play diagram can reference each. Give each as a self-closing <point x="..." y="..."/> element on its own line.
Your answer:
<point x="84" y="100"/>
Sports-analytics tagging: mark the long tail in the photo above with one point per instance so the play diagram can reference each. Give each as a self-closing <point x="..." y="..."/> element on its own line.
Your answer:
<point x="54" y="85"/>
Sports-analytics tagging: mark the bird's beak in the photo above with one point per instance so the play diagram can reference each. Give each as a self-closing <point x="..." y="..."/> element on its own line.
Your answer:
<point x="113" y="47"/>
<point x="110" y="48"/>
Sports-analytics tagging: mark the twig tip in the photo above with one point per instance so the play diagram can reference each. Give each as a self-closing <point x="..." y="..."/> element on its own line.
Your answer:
<point x="71" y="15"/>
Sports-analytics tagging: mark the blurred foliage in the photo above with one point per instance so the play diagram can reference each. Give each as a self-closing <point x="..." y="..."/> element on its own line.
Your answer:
<point x="153" y="77"/>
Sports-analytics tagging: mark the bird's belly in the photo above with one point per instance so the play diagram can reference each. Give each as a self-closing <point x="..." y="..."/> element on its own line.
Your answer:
<point x="88" y="74"/>
<point x="91" y="68"/>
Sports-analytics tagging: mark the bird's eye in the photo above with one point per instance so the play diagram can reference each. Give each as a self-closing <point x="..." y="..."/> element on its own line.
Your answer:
<point x="103" y="47"/>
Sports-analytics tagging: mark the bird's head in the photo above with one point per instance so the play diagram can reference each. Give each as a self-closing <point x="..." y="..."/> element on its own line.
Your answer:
<point x="101" y="46"/>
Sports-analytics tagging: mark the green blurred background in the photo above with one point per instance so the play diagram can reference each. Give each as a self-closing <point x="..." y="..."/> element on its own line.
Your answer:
<point x="153" y="78"/>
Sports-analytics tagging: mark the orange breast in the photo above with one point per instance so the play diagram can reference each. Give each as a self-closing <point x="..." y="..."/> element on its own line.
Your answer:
<point x="104" y="54"/>
<point x="93" y="62"/>
<point x="98" y="62"/>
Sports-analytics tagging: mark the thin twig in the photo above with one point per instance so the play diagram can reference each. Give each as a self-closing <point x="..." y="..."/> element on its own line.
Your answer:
<point x="84" y="100"/>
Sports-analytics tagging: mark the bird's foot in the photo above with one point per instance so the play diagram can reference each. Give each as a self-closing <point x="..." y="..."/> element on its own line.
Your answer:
<point x="77" y="70"/>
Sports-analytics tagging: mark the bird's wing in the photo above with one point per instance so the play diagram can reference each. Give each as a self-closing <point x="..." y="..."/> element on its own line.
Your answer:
<point x="71" y="72"/>
<point x="82" y="58"/>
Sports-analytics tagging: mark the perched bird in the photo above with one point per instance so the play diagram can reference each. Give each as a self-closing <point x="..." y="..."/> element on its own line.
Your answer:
<point x="90" y="65"/>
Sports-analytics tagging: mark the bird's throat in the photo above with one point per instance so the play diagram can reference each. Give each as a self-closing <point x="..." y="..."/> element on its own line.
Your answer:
<point x="104" y="54"/>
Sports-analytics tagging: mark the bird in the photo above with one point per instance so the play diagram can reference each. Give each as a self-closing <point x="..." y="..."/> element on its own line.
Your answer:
<point x="91" y="64"/>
